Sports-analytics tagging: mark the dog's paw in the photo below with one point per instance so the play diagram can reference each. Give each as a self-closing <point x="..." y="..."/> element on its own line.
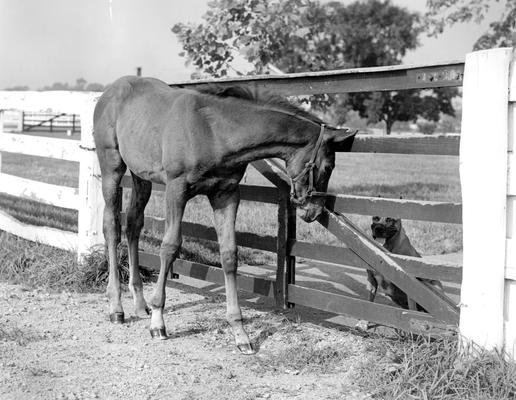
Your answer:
<point x="362" y="325"/>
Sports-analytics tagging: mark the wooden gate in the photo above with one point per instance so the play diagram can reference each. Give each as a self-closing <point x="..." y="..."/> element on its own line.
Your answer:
<point x="357" y="248"/>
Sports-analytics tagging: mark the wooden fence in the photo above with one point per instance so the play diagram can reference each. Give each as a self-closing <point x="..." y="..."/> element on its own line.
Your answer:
<point x="87" y="198"/>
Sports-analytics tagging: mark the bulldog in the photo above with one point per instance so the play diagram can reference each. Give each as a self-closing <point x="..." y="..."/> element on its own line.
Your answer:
<point x="390" y="234"/>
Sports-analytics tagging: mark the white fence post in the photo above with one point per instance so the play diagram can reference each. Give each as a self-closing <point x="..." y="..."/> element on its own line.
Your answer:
<point x="510" y="272"/>
<point x="90" y="188"/>
<point x="483" y="173"/>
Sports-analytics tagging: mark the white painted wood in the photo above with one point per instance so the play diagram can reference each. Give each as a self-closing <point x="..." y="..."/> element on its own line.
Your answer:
<point x="483" y="172"/>
<point x="511" y="174"/>
<point x="91" y="203"/>
<point x="2" y="120"/>
<point x="512" y="80"/>
<point x="510" y="317"/>
<point x="53" y="101"/>
<point x="512" y="126"/>
<point x="60" y="196"/>
<point x="62" y="149"/>
<point x="511" y="217"/>
<point x="42" y="234"/>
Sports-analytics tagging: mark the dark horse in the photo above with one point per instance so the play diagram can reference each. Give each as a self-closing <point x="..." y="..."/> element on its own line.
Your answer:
<point x="199" y="142"/>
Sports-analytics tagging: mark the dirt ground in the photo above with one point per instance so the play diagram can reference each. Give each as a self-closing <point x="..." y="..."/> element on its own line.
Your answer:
<point x="61" y="346"/>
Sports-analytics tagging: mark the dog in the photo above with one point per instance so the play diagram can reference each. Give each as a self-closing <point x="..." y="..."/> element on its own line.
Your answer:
<point x="390" y="234"/>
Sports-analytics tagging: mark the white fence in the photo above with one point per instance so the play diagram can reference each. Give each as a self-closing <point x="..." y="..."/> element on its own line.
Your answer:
<point x="487" y="168"/>
<point x="86" y="198"/>
<point x="488" y="179"/>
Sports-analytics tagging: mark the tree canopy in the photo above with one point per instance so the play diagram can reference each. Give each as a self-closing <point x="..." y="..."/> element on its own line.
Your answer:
<point x="305" y="35"/>
<point x="501" y="33"/>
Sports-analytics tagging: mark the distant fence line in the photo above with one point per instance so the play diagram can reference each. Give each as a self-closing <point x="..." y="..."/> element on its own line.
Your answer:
<point x="477" y="154"/>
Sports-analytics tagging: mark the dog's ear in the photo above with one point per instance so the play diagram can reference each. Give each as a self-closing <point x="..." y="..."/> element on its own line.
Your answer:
<point x="340" y="139"/>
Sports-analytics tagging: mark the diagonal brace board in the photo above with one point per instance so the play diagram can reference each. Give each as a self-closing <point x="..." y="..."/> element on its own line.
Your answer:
<point x="379" y="260"/>
<point x="374" y="255"/>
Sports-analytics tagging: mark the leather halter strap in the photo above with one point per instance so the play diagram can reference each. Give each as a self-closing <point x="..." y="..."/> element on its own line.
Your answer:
<point x="308" y="169"/>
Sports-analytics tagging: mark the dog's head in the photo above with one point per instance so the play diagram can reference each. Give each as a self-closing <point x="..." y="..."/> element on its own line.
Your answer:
<point x="384" y="228"/>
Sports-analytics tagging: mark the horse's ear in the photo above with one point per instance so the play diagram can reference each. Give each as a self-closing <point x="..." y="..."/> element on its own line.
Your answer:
<point x="341" y="139"/>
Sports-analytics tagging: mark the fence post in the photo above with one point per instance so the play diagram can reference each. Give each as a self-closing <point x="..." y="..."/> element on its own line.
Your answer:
<point x="483" y="173"/>
<point x="90" y="186"/>
<point x="510" y="260"/>
<point x="286" y="264"/>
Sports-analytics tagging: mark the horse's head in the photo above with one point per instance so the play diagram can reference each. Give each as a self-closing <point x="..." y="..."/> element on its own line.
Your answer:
<point x="310" y="169"/>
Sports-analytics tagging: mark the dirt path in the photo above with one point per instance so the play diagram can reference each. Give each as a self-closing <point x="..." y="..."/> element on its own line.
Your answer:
<point x="61" y="346"/>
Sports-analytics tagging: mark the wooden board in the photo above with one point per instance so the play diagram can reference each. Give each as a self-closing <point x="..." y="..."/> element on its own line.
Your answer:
<point x="244" y="239"/>
<point x="46" y="193"/>
<point x="361" y="309"/>
<point x="446" y="145"/>
<point x="252" y="284"/>
<point x="418" y="267"/>
<point x="397" y="208"/>
<point x="347" y="81"/>
<point x="62" y="149"/>
<point x="375" y="256"/>
<point x="41" y="234"/>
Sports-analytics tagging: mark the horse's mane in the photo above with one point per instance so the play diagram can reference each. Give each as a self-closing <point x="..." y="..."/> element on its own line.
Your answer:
<point x="264" y="98"/>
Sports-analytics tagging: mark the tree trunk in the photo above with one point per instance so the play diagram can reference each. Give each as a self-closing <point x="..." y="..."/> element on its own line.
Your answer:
<point x="388" y="125"/>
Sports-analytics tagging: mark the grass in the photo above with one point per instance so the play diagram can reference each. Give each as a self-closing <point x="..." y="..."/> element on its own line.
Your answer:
<point x="424" y="368"/>
<point x="36" y="265"/>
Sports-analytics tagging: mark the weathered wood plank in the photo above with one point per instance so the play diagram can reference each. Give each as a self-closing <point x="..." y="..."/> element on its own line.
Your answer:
<point x="248" y="283"/>
<point x="286" y="262"/>
<point x="436" y="303"/>
<point x="398" y="208"/>
<point x="447" y="145"/>
<point x="361" y="309"/>
<point x="42" y="234"/>
<point x="62" y="149"/>
<point x="418" y="267"/>
<point x="348" y="80"/>
<point x="244" y="239"/>
<point x="263" y="194"/>
<point x="46" y="193"/>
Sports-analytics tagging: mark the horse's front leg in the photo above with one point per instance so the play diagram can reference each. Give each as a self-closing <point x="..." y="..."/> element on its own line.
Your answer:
<point x="224" y="210"/>
<point x="175" y="204"/>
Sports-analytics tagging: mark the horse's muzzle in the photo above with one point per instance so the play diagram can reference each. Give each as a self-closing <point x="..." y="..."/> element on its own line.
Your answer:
<point x="309" y="212"/>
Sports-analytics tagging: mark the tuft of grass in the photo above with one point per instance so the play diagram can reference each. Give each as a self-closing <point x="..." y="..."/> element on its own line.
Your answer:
<point x="425" y="368"/>
<point x="36" y="265"/>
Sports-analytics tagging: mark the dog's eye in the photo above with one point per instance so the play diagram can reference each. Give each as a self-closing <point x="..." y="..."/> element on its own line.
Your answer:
<point x="376" y="219"/>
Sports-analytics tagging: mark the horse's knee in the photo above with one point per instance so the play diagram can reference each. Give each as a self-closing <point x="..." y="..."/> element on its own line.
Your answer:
<point x="229" y="260"/>
<point x="169" y="250"/>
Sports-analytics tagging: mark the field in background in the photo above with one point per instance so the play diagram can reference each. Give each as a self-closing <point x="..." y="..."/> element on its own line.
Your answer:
<point x="384" y="175"/>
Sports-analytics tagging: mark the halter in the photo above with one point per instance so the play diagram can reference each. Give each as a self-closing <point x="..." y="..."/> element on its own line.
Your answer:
<point x="308" y="169"/>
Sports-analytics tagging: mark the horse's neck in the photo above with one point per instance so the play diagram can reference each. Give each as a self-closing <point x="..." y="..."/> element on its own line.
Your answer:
<point x="267" y="135"/>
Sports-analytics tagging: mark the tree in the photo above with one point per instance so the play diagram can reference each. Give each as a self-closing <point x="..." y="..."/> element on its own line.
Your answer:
<point x="407" y="105"/>
<point x="303" y="35"/>
<point x="81" y="84"/>
<point x="501" y="33"/>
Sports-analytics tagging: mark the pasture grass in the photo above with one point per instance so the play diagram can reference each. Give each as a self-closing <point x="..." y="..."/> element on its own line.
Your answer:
<point x="36" y="265"/>
<point x="417" y="367"/>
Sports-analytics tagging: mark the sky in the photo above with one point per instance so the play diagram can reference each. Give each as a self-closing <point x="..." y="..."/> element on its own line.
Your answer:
<point x="42" y="42"/>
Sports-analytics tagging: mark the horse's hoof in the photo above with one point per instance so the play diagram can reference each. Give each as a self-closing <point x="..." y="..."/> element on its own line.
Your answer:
<point x="160" y="333"/>
<point x="117" y="318"/>
<point x="246" y="349"/>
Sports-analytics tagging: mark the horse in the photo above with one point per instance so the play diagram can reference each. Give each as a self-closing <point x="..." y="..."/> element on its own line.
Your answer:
<point x="199" y="142"/>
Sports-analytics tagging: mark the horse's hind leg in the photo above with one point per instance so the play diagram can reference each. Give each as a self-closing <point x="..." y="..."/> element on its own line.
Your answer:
<point x="135" y="217"/>
<point x="112" y="169"/>
<point x="225" y="207"/>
